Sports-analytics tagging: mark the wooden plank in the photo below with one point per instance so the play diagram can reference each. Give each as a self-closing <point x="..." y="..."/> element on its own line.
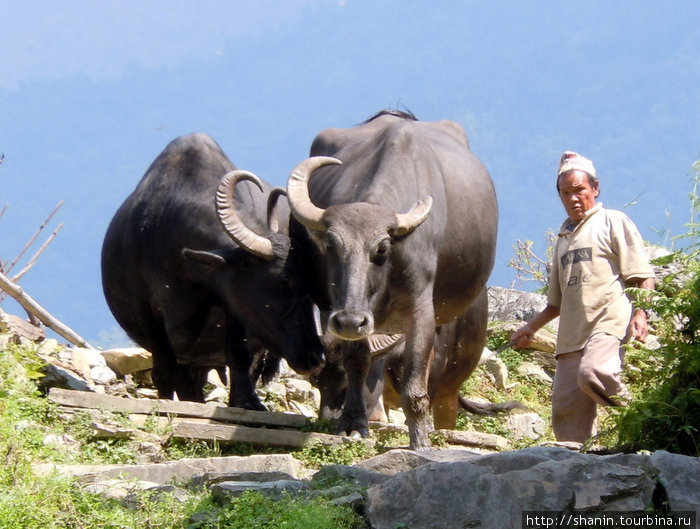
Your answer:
<point x="186" y="429"/>
<point x="219" y="412"/>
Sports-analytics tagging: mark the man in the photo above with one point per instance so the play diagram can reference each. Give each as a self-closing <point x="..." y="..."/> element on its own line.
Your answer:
<point x="599" y="252"/>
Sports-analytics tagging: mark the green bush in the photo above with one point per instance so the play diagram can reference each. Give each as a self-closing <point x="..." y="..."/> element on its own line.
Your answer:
<point x="665" y="413"/>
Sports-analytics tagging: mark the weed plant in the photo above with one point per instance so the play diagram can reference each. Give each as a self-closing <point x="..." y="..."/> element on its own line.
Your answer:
<point x="254" y="511"/>
<point x="665" y="413"/>
<point x="318" y="455"/>
<point x="533" y="393"/>
<point x="29" y="501"/>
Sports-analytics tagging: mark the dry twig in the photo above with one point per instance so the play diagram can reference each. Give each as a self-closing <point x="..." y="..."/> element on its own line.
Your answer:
<point x="9" y="268"/>
<point x="33" y="308"/>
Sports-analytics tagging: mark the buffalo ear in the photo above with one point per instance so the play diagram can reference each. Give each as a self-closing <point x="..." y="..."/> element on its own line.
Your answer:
<point x="214" y="258"/>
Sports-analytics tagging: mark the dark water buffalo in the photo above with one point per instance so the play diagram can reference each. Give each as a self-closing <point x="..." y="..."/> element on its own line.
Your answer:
<point x="196" y="271"/>
<point x="332" y="381"/>
<point x="403" y="219"/>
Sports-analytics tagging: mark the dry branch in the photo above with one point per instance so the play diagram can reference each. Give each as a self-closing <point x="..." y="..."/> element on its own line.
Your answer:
<point x="33" y="238"/>
<point x="34" y="258"/>
<point x="37" y="310"/>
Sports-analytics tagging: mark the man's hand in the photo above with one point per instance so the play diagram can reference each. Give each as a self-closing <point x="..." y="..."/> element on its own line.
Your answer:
<point x="638" y="328"/>
<point x="523" y="336"/>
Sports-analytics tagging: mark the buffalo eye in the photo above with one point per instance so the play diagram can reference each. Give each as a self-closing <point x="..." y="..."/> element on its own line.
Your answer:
<point x="381" y="252"/>
<point x="331" y="243"/>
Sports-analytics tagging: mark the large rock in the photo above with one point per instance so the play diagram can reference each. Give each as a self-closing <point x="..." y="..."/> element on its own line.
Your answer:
<point x="526" y="426"/>
<point x="19" y="330"/>
<point x="439" y="488"/>
<point x="56" y="376"/>
<point x="396" y="461"/>
<point x="494" y="490"/>
<point x="544" y="340"/>
<point x="680" y="477"/>
<point x="128" y="360"/>
<point x="506" y="304"/>
<point x="182" y="470"/>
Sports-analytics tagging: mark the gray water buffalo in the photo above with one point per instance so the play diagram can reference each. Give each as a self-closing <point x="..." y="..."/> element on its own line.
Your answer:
<point x="401" y="220"/>
<point x="457" y="350"/>
<point x="197" y="268"/>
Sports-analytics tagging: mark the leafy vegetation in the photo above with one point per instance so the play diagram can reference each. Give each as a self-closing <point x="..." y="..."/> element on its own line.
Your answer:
<point x="528" y="266"/>
<point x="255" y="511"/>
<point x="666" y="411"/>
<point x="530" y="391"/>
<point x="665" y="381"/>
<point x="318" y="455"/>
<point x="28" y="419"/>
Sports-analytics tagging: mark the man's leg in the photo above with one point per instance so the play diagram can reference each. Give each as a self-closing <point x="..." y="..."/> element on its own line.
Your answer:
<point x="573" y="411"/>
<point x="600" y="370"/>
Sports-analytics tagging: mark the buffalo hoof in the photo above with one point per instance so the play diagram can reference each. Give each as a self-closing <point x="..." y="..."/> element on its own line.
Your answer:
<point x="258" y="407"/>
<point x="249" y="404"/>
<point x="355" y="429"/>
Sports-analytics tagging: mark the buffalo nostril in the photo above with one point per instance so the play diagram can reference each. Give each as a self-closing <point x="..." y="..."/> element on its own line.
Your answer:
<point x="351" y="325"/>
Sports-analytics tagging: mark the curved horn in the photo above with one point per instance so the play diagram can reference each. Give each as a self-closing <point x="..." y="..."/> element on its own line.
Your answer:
<point x="239" y="232"/>
<point x="298" y="191"/>
<point x="272" y="219"/>
<point x="380" y="344"/>
<point x="407" y="222"/>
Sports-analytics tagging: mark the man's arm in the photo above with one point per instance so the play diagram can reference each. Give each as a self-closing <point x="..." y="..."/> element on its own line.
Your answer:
<point x="638" y="328"/>
<point x="523" y="336"/>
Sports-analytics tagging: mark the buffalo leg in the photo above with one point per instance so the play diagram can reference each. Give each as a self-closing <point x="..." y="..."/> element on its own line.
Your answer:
<point x="373" y="390"/>
<point x="239" y="359"/>
<point x="331" y="381"/>
<point x="162" y="375"/>
<point x="190" y="382"/>
<point x="460" y="344"/>
<point x="445" y="408"/>
<point x="416" y="365"/>
<point x="169" y="376"/>
<point x="356" y="362"/>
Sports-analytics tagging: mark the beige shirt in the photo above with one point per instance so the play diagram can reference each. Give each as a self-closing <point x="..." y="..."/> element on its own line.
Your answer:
<point x="591" y="263"/>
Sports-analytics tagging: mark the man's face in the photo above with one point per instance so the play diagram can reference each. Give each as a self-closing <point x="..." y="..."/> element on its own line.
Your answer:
<point x="577" y="194"/>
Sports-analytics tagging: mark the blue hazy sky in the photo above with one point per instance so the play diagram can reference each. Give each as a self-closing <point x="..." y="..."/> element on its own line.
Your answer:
<point x="91" y="92"/>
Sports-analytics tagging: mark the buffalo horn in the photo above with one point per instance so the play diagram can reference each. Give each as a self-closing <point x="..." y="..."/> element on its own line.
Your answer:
<point x="272" y="214"/>
<point x="298" y="192"/>
<point x="380" y="344"/>
<point x="407" y="222"/>
<point x="237" y="230"/>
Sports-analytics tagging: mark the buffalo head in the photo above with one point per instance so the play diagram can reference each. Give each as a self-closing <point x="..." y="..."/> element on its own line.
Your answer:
<point x="356" y="240"/>
<point x="258" y="282"/>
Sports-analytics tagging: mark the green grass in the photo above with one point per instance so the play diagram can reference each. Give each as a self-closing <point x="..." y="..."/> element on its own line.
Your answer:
<point x="254" y="511"/>
<point x="531" y="392"/>
<point x="31" y="502"/>
<point x="318" y="455"/>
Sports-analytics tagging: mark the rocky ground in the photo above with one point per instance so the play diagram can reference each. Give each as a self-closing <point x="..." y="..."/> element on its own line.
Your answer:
<point x="478" y="481"/>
